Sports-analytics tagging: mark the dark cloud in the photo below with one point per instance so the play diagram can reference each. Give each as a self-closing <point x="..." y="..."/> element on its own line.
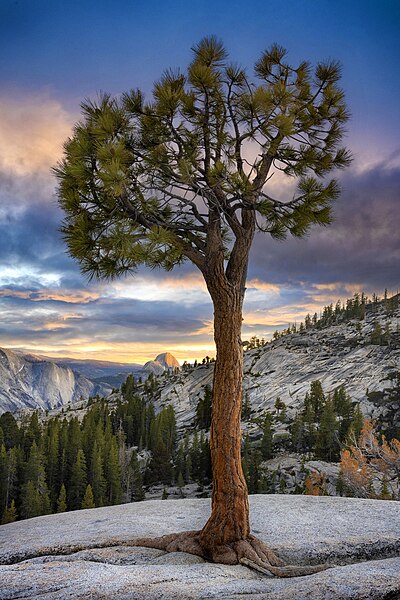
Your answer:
<point x="114" y="321"/>
<point x="29" y="228"/>
<point x="362" y="246"/>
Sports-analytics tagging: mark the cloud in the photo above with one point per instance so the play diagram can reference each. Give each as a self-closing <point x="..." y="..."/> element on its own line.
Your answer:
<point x="32" y="130"/>
<point x="47" y="306"/>
<point x="361" y="247"/>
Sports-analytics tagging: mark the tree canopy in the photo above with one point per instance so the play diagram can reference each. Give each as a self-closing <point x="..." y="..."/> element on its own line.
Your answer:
<point x="147" y="181"/>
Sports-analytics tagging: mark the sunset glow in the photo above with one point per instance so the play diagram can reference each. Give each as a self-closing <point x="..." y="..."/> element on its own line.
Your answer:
<point x="47" y="306"/>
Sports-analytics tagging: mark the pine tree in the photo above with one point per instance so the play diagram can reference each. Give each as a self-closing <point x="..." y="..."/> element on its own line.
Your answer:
<point x="34" y="493"/>
<point x="11" y="483"/>
<point x="135" y="171"/>
<point x="298" y="433"/>
<point x="3" y="478"/>
<point x="62" y="500"/>
<point x="10" y="514"/>
<point x="137" y="480"/>
<point x="96" y="475"/>
<point x="33" y="504"/>
<point x="327" y="446"/>
<point x="52" y="444"/>
<point x="195" y="456"/>
<point x="113" y="474"/>
<point x="10" y="430"/>
<point x="203" y="410"/>
<point x="32" y="433"/>
<point x="246" y="407"/>
<point x="78" y="482"/>
<point x="254" y="473"/>
<point x="317" y="398"/>
<point x="357" y="422"/>
<point x="88" y="499"/>
<point x="344" y="408"/>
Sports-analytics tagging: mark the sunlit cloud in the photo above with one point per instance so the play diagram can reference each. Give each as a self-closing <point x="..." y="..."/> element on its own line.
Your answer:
<point x="66" y="296"/>
<point x="47" y="307"/>
<point x="188" y="289"/>
<point x="33" y="128"/>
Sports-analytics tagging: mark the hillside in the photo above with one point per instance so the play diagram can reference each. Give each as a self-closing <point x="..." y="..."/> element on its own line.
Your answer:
<point x="152" y="435"/>
<point x="86" y="554"/>
<point x="342" y="354"/>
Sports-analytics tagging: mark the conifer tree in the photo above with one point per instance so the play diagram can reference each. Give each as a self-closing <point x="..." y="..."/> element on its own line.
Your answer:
<point x="11" y="483"/>
<point x="3" y="477"/>
<point x="137" y="479"/>
<point x="88" y="499"/>
<point x="327" y="445"/>
<point x="10" y="514"/>
<point x="357" y="423"/>
<point x="96" y="475"/>
<point x="62" y="500"/>
<point x="10" y="430"/>
<point x="31" y="433"/>
<point x="317" y="398"/>
<point x="35" y="498"/>
<point x="185" y="176"/>
<point x="203" y="410"/>
<point x="298" y="433"/>
<point x="246" y="407"/>
<point x="52" y="456"/>
<point x="78" y="481"/>
<point x="113" y="474"/>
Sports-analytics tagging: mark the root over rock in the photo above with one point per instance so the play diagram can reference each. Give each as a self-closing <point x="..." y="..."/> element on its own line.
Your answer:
<point x="251" y="552"/>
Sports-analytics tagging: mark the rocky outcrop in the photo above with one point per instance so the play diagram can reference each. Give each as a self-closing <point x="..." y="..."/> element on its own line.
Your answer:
<point x="163" y="362"/>
<point x="86" y="554"/>
<point x="338" y="355"/>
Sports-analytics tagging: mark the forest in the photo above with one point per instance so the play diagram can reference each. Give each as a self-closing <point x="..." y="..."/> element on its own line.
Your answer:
<point x="119" y="450"/>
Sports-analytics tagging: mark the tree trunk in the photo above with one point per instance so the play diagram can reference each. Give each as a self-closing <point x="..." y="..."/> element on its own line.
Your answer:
<point x="229" y="520"/>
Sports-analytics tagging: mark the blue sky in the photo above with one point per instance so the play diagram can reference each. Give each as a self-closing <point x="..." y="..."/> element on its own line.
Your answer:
<point x="54" y="54"/>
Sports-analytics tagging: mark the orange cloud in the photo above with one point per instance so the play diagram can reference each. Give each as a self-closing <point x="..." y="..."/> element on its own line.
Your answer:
<point x="262" y="285"/>
<point x="32" y="131"/>
<point x="76" y="297"/>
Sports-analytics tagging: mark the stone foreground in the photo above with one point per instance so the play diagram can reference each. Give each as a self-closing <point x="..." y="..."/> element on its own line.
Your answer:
<point x="83" y="554"/>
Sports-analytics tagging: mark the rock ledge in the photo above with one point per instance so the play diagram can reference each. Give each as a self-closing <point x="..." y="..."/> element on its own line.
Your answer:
<point x="84" y="554"/>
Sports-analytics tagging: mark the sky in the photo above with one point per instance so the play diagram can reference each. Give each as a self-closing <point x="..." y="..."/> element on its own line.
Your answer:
<point x="54" y="54"/>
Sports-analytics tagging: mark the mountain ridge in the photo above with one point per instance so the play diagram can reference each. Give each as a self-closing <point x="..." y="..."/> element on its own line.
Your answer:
<point x="29" y="381"/>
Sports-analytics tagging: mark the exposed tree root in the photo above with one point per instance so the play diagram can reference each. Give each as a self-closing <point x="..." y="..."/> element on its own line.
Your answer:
<point x="250" y="552"/>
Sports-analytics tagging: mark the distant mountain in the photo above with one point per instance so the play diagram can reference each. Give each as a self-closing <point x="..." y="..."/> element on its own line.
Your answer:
<point x="96" y="369"/>
<point x="163" y="362"/>
<point x="30" y="381"/>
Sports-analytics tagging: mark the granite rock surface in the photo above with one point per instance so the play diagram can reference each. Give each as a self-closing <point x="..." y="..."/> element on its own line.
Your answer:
<point x="86" y="554"/>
